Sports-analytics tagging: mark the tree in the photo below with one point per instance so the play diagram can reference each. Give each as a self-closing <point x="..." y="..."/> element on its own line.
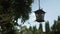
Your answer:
<point x="47" y="27"/>
<point x="34" y="30"/>
<point x="11" y="10"/>
<point x="40" y="29"/>
<point x="22" y="9"/>
<point x="30" y="30"/>
<point x="56" y="26"/>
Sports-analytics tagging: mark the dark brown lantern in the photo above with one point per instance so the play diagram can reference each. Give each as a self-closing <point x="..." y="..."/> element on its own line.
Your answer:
<point x="40" y="15"/>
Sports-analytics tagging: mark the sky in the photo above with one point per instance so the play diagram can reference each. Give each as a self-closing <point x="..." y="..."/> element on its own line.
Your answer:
<point x="52" y="9"/>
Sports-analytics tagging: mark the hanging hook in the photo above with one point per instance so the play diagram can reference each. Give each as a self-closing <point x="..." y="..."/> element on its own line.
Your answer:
<point x="39" y="4"/>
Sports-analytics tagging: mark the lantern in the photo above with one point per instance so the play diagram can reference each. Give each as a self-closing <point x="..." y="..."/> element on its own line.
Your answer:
<point x="40" y="15"/>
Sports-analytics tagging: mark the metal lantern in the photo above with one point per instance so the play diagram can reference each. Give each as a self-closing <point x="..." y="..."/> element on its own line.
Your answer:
<point x="40" y="15"/>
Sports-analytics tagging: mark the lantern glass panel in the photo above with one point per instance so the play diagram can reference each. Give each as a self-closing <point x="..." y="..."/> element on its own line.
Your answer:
<point x="37" y="16"/>
<point x="40" y="17"/>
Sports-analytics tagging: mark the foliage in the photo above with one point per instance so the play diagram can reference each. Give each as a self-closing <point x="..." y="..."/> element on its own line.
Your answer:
<point x="10" y="11"/>
<point x="40" y="29"/>
<point x="55" y="29"/>
<point x="56" y="26"/>
<point x="47" y="28"/>
<point x="22" y="8"/>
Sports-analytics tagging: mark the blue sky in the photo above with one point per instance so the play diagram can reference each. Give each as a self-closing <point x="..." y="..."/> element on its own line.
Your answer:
<point x="52" y="9"/>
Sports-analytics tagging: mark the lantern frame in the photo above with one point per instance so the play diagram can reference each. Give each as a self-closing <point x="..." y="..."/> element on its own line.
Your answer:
<point x="40" y="15"/>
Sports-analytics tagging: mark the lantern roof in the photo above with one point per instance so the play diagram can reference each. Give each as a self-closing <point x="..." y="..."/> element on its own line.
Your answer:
<point x="40" y="11"/>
